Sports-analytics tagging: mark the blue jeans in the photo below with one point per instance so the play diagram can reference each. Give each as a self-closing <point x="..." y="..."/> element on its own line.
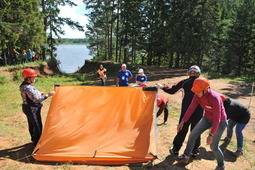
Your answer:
<point x="202" y="126"/>
<point x="239" y="134"/>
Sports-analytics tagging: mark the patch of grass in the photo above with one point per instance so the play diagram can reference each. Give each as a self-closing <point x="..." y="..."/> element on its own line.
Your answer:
<point x="12" y="128"/>
<point x="13" y="125"/>
<point x="231" y="78"/>
<point x="18" y="66"/>
<point x="174" y="111"/>
<point x="10" y="99"/>
<point x="3" y="79"/>
<point x="66" y="166"/>
<point x="17" y="76"/>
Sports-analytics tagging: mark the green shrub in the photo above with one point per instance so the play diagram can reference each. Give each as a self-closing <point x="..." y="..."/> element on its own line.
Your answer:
<point x="53" y="64"/>
<point x="3" y="79"/>
<point x="17" y="76"/>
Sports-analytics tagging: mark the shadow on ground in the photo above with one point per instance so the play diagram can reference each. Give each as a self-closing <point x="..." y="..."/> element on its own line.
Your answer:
<point x="22" y="153"/>
<point x="19" y="153"/>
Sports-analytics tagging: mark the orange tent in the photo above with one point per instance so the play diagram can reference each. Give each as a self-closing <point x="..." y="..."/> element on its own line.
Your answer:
<point x="99" y="125"/>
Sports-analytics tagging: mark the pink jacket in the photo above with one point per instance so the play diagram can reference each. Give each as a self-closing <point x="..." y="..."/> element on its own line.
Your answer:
<point x="213" y="108"/>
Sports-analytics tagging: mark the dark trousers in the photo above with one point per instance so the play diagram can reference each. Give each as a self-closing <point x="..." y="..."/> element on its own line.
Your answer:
<point x="166" y="112"/>
<point x="180" y="136"/>
<point x="34" y="122"/>
<point x="103" y="81"/>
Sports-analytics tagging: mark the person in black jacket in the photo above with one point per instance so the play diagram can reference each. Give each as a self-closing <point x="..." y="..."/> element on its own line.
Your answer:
<point x="186" y="84"/>
<point x="239" y="116"/>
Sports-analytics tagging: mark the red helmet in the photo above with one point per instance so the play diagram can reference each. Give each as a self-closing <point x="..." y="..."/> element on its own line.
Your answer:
<point x="144" y="85"/>
<point x="28" y="72"/>
<point x="200" y="84"/>
<point x="159" y="101"/>
<point x="223" y="98"/>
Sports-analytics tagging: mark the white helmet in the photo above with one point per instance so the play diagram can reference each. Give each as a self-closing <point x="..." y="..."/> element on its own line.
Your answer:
<point x="195" y="68"/>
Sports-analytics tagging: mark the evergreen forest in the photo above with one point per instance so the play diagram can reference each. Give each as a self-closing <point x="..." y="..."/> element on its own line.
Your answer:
<point x="217" y="35"/>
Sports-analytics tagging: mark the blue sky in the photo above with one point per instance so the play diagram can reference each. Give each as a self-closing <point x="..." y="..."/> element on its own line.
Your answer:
<point x="76" y="13"/>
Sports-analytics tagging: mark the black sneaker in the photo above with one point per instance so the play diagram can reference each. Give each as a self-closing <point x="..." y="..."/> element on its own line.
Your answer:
<point x="226" y="140"/>
<point x="173" y="152"/>
<point x="220" y="168"/>
<point x="238" y="153"/>
<point x="195" y="153"/>
<point x="182" y="159"/>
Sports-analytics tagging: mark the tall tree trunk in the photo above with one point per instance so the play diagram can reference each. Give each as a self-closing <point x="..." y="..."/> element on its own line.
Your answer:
<point x="177" y="60"/>
<point x="106" y="44"/>
<point x="111" y="30"/>
<point x="170" y="65"/>
<point x="45" y="28"/>
<point x="117" y="31"/>
<point x="126" y="46"/>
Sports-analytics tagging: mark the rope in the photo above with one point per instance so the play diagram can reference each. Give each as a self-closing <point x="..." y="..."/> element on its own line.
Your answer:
<point x="25" y="157"/>
<point x="28" y="155"/>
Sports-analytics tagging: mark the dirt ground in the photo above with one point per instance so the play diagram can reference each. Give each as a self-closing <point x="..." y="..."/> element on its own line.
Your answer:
<point x="9" y="154"/>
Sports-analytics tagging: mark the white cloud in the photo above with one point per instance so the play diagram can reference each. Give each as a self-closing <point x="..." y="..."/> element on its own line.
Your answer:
<point x="76" y="13"/>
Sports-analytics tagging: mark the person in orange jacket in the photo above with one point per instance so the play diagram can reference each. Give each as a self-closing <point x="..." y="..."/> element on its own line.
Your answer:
<point x="101" y="74"/>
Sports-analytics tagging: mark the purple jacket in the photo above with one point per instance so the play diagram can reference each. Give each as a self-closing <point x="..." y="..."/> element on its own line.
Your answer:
<point x="213" y="109"/>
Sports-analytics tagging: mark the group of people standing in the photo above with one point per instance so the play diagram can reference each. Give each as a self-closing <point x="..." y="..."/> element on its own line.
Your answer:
<point x="123" y="76"/>
<point x="26" y="56"/>
<point x="202" y="109"/>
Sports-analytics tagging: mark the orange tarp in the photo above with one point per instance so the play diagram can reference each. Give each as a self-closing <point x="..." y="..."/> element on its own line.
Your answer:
<point x="99" y="125"/>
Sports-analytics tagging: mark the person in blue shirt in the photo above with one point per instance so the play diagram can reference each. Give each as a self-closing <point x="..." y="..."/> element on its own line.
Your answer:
<point x="123" y="76"/>
<point x="141" y="78"/>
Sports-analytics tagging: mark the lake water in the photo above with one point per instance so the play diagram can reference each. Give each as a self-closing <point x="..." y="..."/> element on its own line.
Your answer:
<point x="72" y="57"/>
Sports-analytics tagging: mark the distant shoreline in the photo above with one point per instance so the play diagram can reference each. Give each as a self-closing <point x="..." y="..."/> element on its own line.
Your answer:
<point x="74" y="41"/>
<point x="73" y="44"/>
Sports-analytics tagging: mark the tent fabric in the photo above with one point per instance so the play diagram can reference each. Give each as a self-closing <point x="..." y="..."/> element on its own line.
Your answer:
<point x="99" y="125"/>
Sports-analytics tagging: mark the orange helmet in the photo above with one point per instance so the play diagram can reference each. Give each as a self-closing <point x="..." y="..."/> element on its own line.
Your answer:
<point x="200" y="84"/>
<point x="159" y="101"/>
<point x="28" y="72"/>
<point x="223" y="98"/>
<point x="144" y="85"/>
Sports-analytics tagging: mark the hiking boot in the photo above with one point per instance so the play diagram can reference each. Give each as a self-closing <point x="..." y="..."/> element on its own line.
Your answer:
<point x="173" y="152"/>
<point x="238" y="153"/>
<point x="182" y="159"/>
<point x="220" y="168"/>
<point x="226" y="140"/>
